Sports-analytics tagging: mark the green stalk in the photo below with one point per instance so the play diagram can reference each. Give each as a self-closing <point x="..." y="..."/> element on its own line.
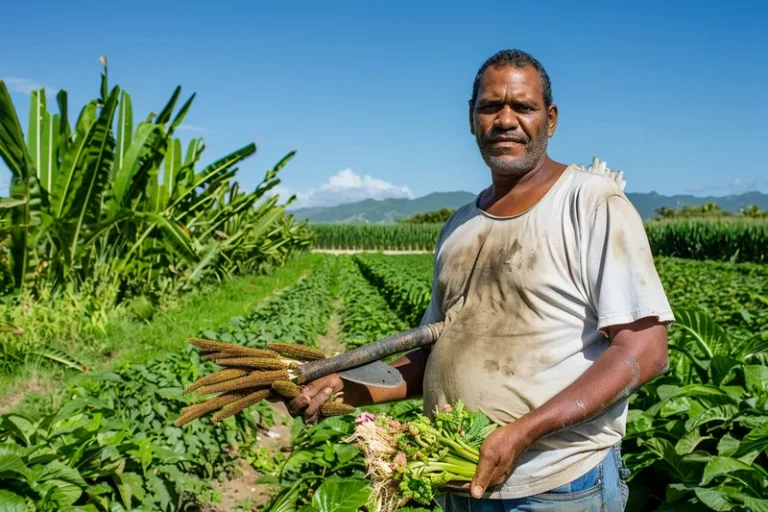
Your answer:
<point x="435" y="467"/>
<point x="460" y="450"/>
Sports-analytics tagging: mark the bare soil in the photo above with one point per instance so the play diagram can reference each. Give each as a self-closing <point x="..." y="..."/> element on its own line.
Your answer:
<point x="242" y="488"/>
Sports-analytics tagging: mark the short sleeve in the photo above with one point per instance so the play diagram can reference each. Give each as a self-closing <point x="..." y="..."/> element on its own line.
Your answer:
<point x="620" y="277"/>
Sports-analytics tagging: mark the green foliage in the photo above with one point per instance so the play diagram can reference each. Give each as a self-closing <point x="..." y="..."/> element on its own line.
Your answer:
<point x="697" y="435"/>
<point x="737" y="239"/>
<point x="297" y="315"/>
<point x="113" y="446"/>
<point x="708" y="210"/>
<point x="402" y="237"/>
<point x="93" y="193"/>
<point x="434" y="217"/>
<point x="366" y="316"/>
<point x="743" y="240"/>
<point x="405" y="282"/>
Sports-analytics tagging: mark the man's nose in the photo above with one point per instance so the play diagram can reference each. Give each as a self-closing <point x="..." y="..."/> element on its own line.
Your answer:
<point x="506" y="119"/>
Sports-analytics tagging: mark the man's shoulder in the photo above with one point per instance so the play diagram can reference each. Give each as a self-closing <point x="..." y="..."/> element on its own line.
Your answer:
<point x="589" y="189"/>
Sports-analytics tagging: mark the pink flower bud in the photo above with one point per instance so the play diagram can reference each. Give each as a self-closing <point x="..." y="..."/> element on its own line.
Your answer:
<point x="447" y="408"/>
<point x="365" y="417"/>
<point x="394" y="424"/>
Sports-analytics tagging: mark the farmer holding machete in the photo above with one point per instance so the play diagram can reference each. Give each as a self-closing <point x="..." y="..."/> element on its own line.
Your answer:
<point x="553" y="309"/>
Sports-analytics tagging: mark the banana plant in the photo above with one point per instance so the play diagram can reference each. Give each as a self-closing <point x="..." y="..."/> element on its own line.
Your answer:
<point x="108" y="190"/>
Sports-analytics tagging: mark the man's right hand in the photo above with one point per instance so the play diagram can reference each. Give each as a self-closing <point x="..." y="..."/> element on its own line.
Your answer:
<point x="313" y="395"/>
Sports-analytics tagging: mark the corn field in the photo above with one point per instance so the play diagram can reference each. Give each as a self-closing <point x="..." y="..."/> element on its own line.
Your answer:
<point x="740" y="239"/>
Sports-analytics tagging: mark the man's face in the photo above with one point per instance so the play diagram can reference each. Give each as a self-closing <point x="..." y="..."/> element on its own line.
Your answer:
<point x="509" y="120"/>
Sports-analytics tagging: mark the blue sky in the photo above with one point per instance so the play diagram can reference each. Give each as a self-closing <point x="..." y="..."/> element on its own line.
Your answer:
<point x="373" y="97"/>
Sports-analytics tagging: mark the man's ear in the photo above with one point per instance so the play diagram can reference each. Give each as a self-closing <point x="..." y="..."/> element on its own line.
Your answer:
<point x="551" y="120"/>
<point x="471" y="117"/>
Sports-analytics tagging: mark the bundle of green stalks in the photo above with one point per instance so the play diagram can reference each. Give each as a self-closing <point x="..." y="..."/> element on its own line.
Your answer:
<point x="248" y="376"/>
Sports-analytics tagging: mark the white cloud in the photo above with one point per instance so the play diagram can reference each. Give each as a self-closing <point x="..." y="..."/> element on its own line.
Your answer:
<point x="344" y="187"/>
<point x="192" y="128"/>
<point x="736" y="185"/>
<point x="25" y="85"/>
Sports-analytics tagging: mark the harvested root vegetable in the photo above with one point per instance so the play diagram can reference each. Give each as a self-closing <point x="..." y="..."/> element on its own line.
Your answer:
<point x="215" y="378"/>
<point x="249" y="376"/>
<point x="236" y="407"/>
<point x="335" y="408"/>
<point x="191" y="413"/>
<point x="221" y="346"/>
<point x="412" y="461"/>
<point x="286" y="389"/>
<point x="252" y="380"/>
<point x="262" y="363"/>
<point x="299" y="352"/>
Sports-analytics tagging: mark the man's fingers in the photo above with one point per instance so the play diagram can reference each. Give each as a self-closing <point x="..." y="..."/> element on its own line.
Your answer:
<point x="318" y="400"/>
<point x="483" y="473"/>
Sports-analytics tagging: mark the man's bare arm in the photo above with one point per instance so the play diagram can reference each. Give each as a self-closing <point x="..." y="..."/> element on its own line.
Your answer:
<point x="637" y="354"/>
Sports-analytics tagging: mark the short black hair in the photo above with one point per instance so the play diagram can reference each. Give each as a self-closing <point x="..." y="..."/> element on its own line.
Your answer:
<point x="518" y="59"/>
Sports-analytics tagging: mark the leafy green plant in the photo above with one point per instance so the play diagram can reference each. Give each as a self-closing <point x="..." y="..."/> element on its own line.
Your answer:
<point x="697" y="436"/>
<point x="106" y="190"/>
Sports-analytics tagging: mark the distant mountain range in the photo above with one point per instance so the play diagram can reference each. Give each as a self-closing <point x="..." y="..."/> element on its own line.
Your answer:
<point x="390" y="210"/>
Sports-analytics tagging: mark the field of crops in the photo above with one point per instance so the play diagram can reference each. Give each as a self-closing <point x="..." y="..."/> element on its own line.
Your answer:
<point x="697" y="437"/>
<point x="736" y="239"/>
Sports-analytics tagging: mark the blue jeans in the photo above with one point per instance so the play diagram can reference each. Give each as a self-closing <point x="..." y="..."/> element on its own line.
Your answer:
<point x="602" y="488"/>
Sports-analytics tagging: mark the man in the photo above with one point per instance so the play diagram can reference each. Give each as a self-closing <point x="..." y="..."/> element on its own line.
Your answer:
<point x="554" y="313"/>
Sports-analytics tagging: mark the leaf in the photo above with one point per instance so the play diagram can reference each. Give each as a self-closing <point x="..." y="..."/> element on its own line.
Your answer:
<point x="12" y="502"/>
<point x="713" y="499"/>
<point x="709" y="337"/>
<point x="13" y="150"/>
<point x="124" y="130"/>
<point x="719" y="466"/>
<point x="757" y="505"/>
<point x="689" y="441"/>
<point x="56" y="470"/>
<point x="341" y="495"/>
<point x="11" y="464"/>
<point x="755" y="440"/>
<point x="720" y="367"/>
<point x="756" y="377"/>
<point x="728" y="445"/>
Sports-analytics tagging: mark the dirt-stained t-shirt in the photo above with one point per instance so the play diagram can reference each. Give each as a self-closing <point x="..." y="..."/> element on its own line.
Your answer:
<point x="531" y="319"/>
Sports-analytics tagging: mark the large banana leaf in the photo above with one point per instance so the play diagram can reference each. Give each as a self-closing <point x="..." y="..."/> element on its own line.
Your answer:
<point x="70" y="176"/>
<point x="43" y="140"/>
<point x="94" y="173"/>
<point x="138" y="159"/>
<point x="12" y="148"/>
<point x="124" y="131"/>
<point x="25" y="218"/>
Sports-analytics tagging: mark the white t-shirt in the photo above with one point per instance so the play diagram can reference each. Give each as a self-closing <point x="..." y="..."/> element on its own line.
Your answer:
<point x="529" y="322"/>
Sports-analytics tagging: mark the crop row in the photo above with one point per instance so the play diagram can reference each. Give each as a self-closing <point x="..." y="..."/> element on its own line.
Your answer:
<point x="112" y="446"/>
<point x="320" y="451"/>
<point x="404" y="281"/>
<point x="743" y="240"/>
<point x="400" y="237"/>
<point x="366" y="316"/>
<point x="297" y="315"/>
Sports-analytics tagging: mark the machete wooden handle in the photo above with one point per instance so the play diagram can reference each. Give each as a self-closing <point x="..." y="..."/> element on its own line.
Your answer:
<point x="401" y="342"/>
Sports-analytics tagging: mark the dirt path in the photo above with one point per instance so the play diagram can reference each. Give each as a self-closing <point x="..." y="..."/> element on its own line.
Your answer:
<point x="329" y="342"/>
<point x="243" y="490"/>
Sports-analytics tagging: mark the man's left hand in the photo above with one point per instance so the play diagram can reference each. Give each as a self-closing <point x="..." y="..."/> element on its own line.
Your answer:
<point x="499" y="455"/>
